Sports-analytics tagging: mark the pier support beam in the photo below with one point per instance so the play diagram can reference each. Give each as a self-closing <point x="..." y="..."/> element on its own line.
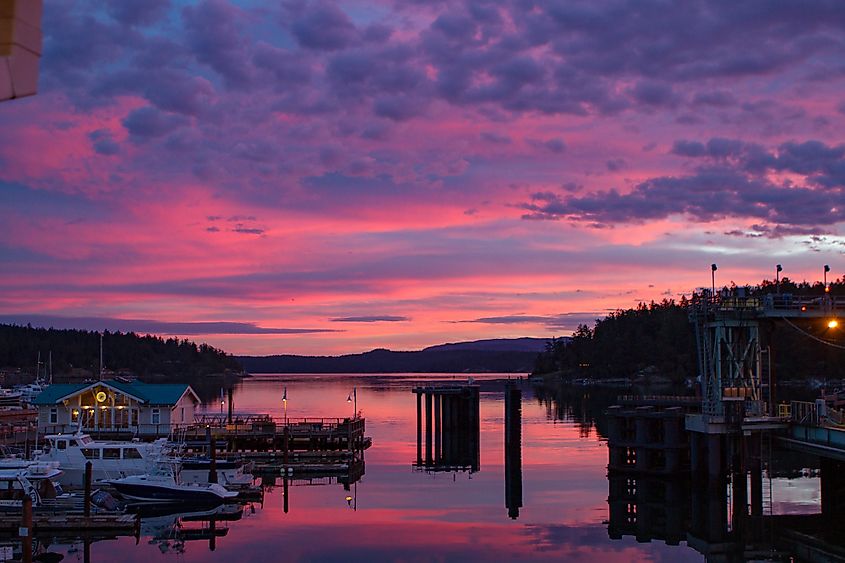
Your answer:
<point x="428" y="457"/>
<point x="833" y="487"/>
<point x="714" y="455"/>
<point x="419" y="428"/>
<point x="437" y="428"/>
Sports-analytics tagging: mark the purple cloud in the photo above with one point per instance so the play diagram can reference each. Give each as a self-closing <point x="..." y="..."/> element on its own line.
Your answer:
<point x="370" y="319"/>
<point x="734" y="184"/>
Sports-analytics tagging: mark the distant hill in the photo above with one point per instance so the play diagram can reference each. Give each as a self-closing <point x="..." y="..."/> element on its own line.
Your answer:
<point x="526" y="344"/>
<point x="504" y="355"/>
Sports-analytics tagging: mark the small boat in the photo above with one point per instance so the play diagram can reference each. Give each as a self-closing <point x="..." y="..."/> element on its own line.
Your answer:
<point x="35" y="482"/>
<point x="9" y="398"/>
<point x="164" y="485"/>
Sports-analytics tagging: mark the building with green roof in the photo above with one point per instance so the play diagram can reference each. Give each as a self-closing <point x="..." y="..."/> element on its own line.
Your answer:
<point x="114" y="406"/>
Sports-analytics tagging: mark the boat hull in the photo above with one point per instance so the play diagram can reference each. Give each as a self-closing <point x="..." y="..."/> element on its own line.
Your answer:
<point x="166" y="493"/>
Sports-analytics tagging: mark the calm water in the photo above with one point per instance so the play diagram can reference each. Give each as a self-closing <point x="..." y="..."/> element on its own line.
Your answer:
<point x="396" y="513"/>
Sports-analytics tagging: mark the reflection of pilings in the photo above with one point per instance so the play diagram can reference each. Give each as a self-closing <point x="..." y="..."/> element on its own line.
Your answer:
<point x="451" y="428"/>
<point x="647" y="507"/>
<point x="513" y="450"/>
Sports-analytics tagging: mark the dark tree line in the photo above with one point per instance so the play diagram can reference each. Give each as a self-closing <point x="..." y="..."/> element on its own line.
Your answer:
<point x="660" y="337"/>
<point x="625" y="342"/>
<point x="145" y="356"/>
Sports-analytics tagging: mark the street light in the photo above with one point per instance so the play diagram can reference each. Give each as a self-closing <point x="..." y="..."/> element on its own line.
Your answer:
<point x="713" y="269"/>
<point x="285" y="403"/>
<point x="826" y="270"/>
<point x="778" y="270"/>
<point x="353" y="398"/>
<point x="833" y="323"/>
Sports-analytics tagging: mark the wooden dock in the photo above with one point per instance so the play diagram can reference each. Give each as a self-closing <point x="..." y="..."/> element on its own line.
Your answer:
<point x="62" y="523"/>
<point x="261" y="438"/>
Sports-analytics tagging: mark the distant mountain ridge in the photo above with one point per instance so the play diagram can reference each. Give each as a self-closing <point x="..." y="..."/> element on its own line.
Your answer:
<point x="525" y="344"/>
<point x="496" y="355"/>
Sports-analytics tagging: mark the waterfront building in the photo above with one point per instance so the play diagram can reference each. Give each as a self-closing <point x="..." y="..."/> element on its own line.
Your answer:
<point x="114" y="406"/>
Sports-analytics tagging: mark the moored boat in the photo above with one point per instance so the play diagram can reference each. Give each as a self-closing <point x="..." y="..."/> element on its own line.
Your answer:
<point x="164" y="485"/>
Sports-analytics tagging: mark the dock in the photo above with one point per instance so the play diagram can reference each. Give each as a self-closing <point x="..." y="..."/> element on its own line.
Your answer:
<point x="62" y="523"/>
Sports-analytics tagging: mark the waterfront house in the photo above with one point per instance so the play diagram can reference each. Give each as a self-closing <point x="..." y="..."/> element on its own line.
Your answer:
<point x="113" y="406"/>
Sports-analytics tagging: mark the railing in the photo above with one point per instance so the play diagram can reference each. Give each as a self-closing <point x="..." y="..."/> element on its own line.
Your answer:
<point x="220" y="420"/>
<point x="803" y="412"/>
<point x="772" y="303"/>
<point x="662" y="400"/>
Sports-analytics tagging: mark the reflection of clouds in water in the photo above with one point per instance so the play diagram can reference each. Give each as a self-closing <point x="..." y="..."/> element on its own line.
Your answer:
<point x="410" y="516"/>
<point x="801" y="495"/>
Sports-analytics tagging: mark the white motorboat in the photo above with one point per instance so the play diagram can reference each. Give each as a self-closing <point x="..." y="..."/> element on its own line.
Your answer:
<point x="109" y="460"/>
<point x="164" y="485"/>
<point x="118" y="459"/>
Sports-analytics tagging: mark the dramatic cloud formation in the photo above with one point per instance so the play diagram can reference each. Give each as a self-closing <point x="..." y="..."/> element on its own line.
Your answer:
<point x="230" y="163"/>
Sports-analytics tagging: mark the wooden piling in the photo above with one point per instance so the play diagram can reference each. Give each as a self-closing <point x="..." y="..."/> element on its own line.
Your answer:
<point x="419" y="428"/>
<point x="428" y="456"/>
<point x="437" y="428"/>
<point x="87" y="500"/>
<point x="212" y="453"/>
<point x="26" y="529"/>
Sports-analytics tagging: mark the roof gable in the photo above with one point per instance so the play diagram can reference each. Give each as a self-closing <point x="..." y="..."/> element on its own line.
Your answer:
<point x="56" y="391"/>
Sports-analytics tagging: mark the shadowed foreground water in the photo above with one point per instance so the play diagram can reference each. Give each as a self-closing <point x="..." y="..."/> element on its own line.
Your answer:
<point x="397" y="513"/>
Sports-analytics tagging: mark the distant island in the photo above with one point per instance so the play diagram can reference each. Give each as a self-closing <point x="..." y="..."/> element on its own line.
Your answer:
<point x="506" y="355"/>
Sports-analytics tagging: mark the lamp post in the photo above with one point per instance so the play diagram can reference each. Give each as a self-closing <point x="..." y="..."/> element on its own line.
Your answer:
<point x="353" y="398"/>
<point x="285" y="403"/>
<point x="713" y="269"/>
<point x="826" y="270"/>
<point x="778" y="270"/>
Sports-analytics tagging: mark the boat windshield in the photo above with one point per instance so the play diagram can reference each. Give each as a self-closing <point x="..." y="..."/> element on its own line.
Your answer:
<point x="84" y="440"/>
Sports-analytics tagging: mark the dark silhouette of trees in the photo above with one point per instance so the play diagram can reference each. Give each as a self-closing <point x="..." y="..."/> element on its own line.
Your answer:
<point x="659" y="337"/>
<point x="145" y="356"/>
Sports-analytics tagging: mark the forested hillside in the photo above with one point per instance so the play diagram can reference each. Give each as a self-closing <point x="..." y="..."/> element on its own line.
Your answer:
<point x="659" y="337"/>
<point x="145" y="356"/>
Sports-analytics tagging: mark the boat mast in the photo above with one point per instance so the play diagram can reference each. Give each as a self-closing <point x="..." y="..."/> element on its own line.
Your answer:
<point x="101" y="357"/>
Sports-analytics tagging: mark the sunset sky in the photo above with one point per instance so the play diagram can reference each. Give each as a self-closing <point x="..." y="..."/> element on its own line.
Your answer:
<point x="331" y="177"/>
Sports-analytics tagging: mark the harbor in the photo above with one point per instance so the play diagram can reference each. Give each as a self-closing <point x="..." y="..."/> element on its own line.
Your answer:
<point x="82" y="463"/>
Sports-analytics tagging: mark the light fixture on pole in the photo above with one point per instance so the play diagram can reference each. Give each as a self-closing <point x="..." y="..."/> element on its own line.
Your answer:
<point x="353" y="398"/>
<point x="826" y="270"/>
<point x="222" y="401"/>
<point x="713" y="269"/>
<point x="778" y="270"/>
<point x="285" y="403"/>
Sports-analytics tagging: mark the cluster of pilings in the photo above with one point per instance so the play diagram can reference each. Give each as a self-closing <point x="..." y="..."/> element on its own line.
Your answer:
<point x="451" y="426"/>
